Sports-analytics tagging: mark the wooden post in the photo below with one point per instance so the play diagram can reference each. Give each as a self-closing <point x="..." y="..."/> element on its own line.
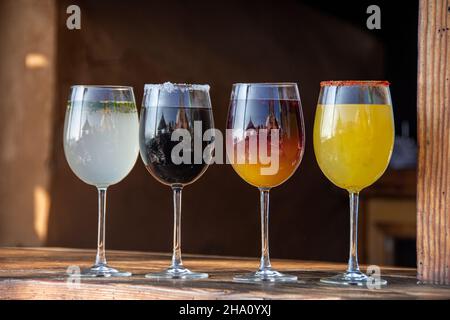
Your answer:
<point x="433" y="185"/>
<point x="27" y="82"/>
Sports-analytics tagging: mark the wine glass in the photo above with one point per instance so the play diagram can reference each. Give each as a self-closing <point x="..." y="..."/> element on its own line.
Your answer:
<point x="265" y="144"/>
<point x="353" y="141"/>
<point x="101" y="146"/>
<point x="174" y="119"/>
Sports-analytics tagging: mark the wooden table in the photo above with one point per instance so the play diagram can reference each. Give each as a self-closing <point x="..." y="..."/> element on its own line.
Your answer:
<point x="40" y="273"/>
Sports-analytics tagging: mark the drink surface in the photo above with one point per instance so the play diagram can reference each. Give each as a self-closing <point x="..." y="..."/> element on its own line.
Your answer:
<point x="248" y="117"/>
<point x="156" y="145"/>
<point x="101" y="140"/>
<point x="353" y="143"/>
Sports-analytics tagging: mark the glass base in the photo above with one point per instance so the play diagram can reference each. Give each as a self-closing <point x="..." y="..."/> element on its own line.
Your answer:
<point x="267" y="275"/>
<point x="103" y="271"/>
<point x="356" y="278"/>
<point x="177" y="273"/>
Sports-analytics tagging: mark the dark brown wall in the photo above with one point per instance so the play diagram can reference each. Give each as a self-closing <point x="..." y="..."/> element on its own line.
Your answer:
<point x="219" y="43"/>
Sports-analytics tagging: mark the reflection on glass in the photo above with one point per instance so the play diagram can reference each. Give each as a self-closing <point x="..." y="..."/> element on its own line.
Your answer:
<point x="101" y="147"/>
<point x="174" y="119"/>
<point x="353" y="141"/>
<point x="265" y="149"/>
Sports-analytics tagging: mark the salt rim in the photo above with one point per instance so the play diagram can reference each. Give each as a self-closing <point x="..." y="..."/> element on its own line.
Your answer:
<point x="349" y="83"/>
<point x="170" y="87"/>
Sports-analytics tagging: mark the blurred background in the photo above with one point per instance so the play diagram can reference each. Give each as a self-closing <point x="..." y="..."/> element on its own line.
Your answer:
<point x="42" y="203"/>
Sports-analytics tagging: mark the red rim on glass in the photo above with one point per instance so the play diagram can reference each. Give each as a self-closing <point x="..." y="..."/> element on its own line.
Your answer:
<point x="373" y="83"/>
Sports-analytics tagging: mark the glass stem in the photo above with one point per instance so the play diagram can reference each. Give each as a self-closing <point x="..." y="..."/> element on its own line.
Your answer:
<point x="176" y="255"/>
<point x="265" y="259"/>
<point x="353" y="257"/>
<point x="101" y="256"/>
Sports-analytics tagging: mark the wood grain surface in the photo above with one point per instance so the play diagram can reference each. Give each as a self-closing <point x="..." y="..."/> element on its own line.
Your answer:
<point x="38" y="273"/>
<point x="433" y="187"/>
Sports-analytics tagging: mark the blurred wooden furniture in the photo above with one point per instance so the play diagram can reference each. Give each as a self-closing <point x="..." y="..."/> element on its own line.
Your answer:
<point x="389" y="214"/>
<point x="433" y="185"/>
<point x="41" y="274"/>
